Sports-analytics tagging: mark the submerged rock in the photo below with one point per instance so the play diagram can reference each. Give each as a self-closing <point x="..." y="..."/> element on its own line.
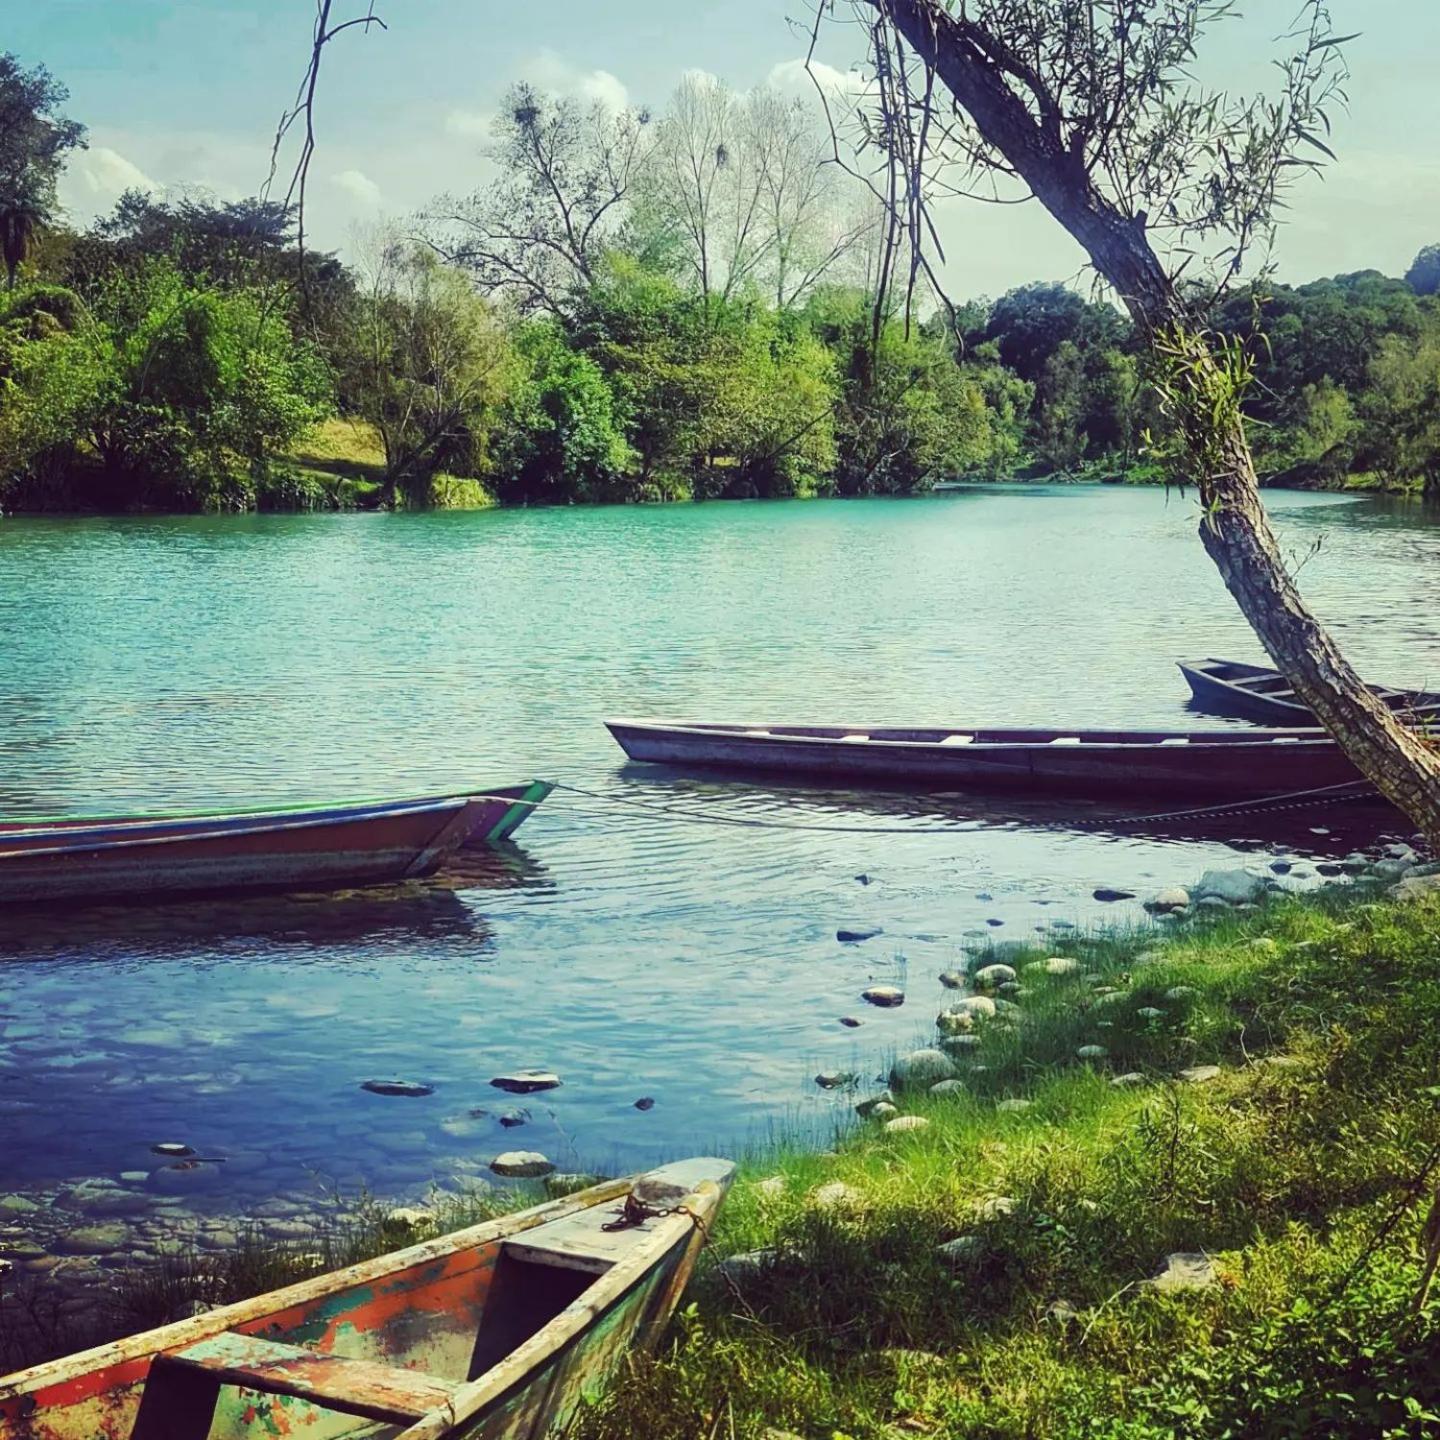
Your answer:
<point x="512" y="1118"/>
<point x="526" y="1082"/>
<point x="1109" y="897"/>
<point x="522" y="1164"/>
<point x="853" y="934"/>
<point x="835" y="1079"/>
<point x="645" y="1102"/>
<point x="886" y="996"/>
<point x="850" y="1022"/>
<point x="93" y="1240"/>
<point x="410" y="1088"/>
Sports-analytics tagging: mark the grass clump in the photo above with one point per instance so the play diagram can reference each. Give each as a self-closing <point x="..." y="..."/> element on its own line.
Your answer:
<point x="1300" y="1171"/>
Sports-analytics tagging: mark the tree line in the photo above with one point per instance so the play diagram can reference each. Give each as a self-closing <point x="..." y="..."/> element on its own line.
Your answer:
<point x="691" y="304"/>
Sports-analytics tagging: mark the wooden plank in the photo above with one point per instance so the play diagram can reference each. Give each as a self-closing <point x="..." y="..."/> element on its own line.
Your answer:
<point x="353" y="1387"/>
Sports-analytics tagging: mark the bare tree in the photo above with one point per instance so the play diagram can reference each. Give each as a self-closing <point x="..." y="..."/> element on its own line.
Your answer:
<point x="1090" y="106"/>
<point x="566" y="172"/>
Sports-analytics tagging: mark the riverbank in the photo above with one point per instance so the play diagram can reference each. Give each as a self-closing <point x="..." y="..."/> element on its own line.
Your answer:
<point x="1177" y="1191"/>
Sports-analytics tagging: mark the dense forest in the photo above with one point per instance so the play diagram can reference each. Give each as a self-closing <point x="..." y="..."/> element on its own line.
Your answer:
<point x="697" y="303"/>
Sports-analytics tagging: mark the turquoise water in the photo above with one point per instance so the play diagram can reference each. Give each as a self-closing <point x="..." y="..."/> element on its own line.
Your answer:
<point x="161" y="663"/>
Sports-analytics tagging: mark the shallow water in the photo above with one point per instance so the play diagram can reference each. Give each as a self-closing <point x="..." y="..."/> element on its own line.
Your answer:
<point x="154" y="663"/>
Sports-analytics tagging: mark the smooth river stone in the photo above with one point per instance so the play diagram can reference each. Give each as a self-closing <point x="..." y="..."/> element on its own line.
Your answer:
<point x="521" y="1164"/>
<point x="526" y="1082"/>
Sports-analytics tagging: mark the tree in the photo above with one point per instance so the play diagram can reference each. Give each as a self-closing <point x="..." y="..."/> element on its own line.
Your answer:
<point x="566" y="171"/>
<point x="1090" y="104"/>
<point x="431" y="363"/>
<point x="34" y="141"/>
<point x="1423" y="277"/>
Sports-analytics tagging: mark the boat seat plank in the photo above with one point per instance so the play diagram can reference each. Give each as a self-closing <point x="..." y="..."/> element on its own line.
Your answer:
<point x="577" y="1242"/>
<point x="354" y="1387"/>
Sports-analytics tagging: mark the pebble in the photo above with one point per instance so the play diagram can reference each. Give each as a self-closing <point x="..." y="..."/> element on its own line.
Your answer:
<point x="886" y="996"/>
<point x="902" y="1124"/>
<point x="852" y="935"/>
<point x="412" y="1088"/>
<point x="526" y="1082"/>
<point x="522" y="1164"/>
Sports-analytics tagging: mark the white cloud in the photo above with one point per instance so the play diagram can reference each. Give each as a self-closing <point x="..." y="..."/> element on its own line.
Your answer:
<point x="96" y="178"/>
<point x="359" y="185"/>
<point x="469" y="124"/>
<point x="792" y="77"/>
<point x="557" y="76"/>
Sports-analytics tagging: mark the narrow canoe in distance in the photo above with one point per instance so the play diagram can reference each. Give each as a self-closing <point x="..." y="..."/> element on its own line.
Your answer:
<point x="1096" y="764"/>
<point x="1231" y="687"/>
<point x="144" y="857"/>
<point x="493" y="1333"/>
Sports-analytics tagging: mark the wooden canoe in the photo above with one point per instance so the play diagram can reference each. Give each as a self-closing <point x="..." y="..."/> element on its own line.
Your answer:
<point x="1224" y="764"/>
<point x="375" y="842"/>
<point x="1231" y="687"/>
<point x="493" y="1333"/>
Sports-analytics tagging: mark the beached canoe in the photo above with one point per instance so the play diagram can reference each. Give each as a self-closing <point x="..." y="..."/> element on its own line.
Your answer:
<point x="139" y="857"/>
<point x="1231" y="687"/>
<point x="1219" y="764"/>
<point x="492" y="1333"/>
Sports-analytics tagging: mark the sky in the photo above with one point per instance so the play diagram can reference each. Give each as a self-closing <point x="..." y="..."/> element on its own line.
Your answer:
<point x="187" y="93"/>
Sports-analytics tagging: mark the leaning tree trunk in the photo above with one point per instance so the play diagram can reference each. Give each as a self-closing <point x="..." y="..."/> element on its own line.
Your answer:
<point x="1235" y="530"/>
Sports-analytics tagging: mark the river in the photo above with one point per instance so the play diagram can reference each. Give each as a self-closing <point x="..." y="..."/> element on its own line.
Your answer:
<point x="159" y="663"/>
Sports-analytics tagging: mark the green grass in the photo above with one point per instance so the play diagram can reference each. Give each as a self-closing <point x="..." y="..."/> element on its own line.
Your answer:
<point x="856" y="1326"/>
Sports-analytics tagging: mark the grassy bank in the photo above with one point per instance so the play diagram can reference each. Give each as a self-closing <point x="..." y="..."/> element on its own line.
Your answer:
<point x="1298" y="1170"/>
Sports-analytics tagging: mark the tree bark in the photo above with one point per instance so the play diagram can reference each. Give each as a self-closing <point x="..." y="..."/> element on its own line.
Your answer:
<point x="1235" y="530"/>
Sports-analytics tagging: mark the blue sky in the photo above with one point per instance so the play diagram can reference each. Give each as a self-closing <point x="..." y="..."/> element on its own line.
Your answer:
<point x="187" y="92"/>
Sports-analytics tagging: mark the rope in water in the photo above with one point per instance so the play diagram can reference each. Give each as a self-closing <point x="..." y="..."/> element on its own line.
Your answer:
<point x="1293" y="800"/>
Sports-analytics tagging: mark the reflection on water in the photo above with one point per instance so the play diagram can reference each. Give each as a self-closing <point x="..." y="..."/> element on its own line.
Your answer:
<point x="176" y="663"/>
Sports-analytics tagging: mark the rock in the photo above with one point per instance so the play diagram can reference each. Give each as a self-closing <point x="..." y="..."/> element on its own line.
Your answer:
<point x="1092" y="1052"/>
<point x="1013" y="1107"/>
<point x="996" y="1207"/>
<point x="522" y="1164"/>
<point x="526" y="1082"/>
<point x="1109" y="897"/>
<point x="1236" y="886"/>
<point x="1329" y="869"/>
<point x="1388" y="871"/>
<point x="862" y="879"/>
<point x="1179" y="993"/>
<point x="1149" y="1012"/>
<point x="995" y="924"/>
<point x="883" y="1111"/>
<point x="17" y="1205"/>
<point x="409" y="1217"/>
<point x="172" y="1148"/>
<point x="561" y="1184"/>
<point x="952" y="980"/>
<point x="868" y="1107"/>
<point x="1055" y="965"/>
<point x="992" y="976"/>
<point x="962" y="1250"/>
<point x="984" y="896"/>
<point x="1175" y="898"/>
<point x="1416" y="887"/>
<point x="1402" y="852"/>
<point x="959" y="1044"/>
<point x="645" y="1102"/>
<point x="771" y="1186"/>
<point x="1199" y="1074"/>
<point x="964" y="1013"/>
<point x="512" y="1118"/>
<point x="850" y="1022"/>
<point x="886" y="996"/>
<point x="902" y="1124"/>
<point x="1281" y="867"/>
<point x="1183" y="1271"/>
<point x="410" y="1088"/>
<point x="1213" y="903"/>
<point x="1353" y="864"/>
<point x="834" y="1195"/>
<point x="93" y="1240"/>
<point x="854" y="934"/>
<point x="1128" y="1081"/>
<point x="921" y="1069"/>
<point x="835" y="1079"/>
<point x="749" y="1266"/>
<point x="134" y="1177"/>
<point x="948" y="1087"/>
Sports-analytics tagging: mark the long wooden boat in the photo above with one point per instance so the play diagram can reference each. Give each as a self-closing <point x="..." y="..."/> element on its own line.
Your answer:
<point x="1228" y="764"/>
<point x="1231" y="687"/>
<point x="373" y="842"/>
<point x="492" y="1333"/>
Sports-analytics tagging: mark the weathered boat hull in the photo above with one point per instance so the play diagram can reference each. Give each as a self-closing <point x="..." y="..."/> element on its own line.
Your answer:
<point x="139" y="857"/>
<point x="494" y="1333"/>
<point x="1225" y="764"/>
<point x="1255" y="692"/>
